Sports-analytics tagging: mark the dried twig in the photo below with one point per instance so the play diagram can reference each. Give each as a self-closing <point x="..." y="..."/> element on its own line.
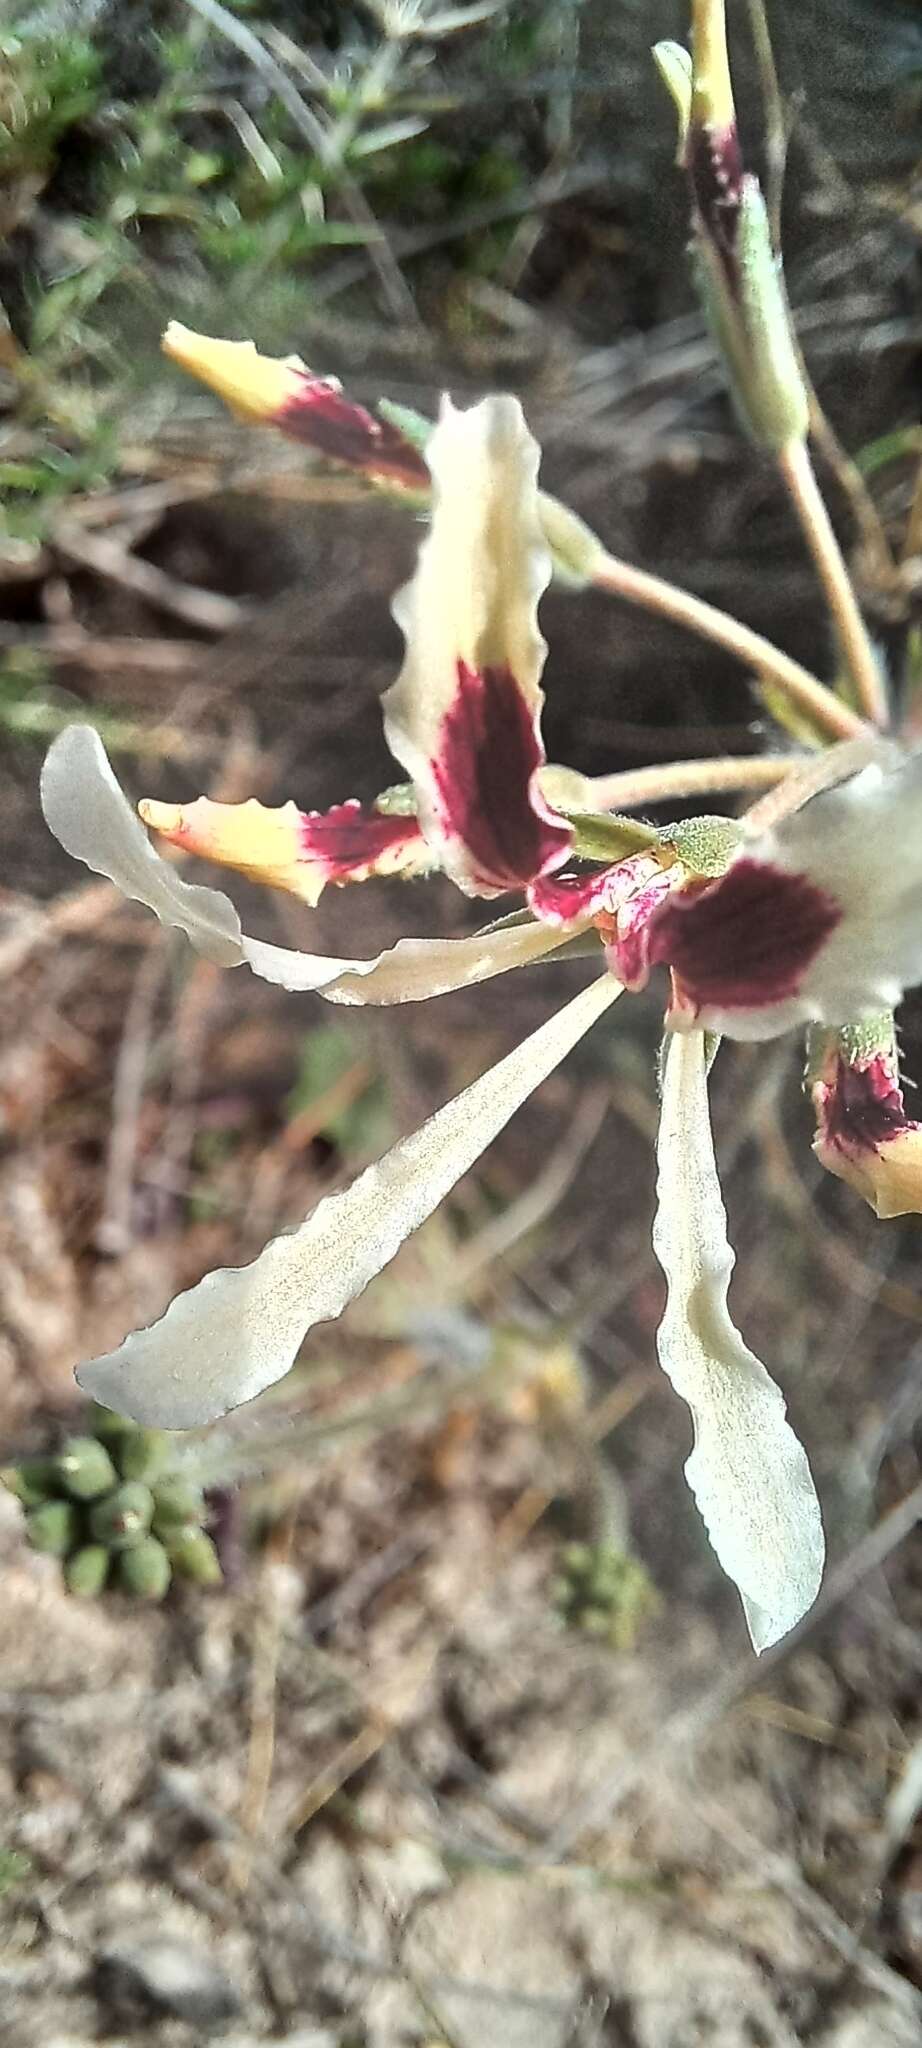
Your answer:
<point x="73" y="915"/>
<point x="107" y="557"/>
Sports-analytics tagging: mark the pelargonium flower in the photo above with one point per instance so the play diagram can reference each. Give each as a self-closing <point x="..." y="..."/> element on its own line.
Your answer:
<point x="814" y="919"/>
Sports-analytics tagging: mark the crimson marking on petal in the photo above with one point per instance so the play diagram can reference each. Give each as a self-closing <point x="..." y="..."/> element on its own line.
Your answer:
<point x="863" y="1106"/>
<point x="715" y="169"/>
<point x="319" y="414"/>
<point x="562" y="899"/>
<point x="488" y="750"/>
<point x="746" y="940"/>
<point x="349" y="840"/>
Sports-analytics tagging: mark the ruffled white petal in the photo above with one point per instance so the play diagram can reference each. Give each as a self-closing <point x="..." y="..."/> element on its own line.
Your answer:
<point x="240" y="1329"/>
<point x="747" y="1471"/>
<point x="471" y="609"/>
<point x="862" y="844"/>
<point x="88" y="812"/>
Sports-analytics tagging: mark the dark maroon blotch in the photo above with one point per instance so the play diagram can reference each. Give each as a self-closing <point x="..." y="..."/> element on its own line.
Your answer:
<point x="745" y="940"/>
<point x="715" y="170"/>
<point x="487" y="754"/>
<point x="863" y="1106"/>
<point x="336" y="427"/>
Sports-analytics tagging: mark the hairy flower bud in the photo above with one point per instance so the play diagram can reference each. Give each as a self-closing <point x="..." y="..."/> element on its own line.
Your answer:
<point x="30" y="1481"/>
<point x="737" y="271"/>
<point x="143" y="1453"/>
<point x="284" y="393"/>
<point x="863" y="1134"/>
<point x="52" y="1528"/>
<point x="86" y="1572"/>
<point x="85" y="1469"/>
<point x="193" y="1554"/>
<point x="145" y="1570"/>
<point x="122" y="1518"/>
<point x="177" y="1501"/>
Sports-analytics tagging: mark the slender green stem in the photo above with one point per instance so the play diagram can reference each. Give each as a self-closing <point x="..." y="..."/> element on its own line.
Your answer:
<point x="826" y="710"/>
<point x="798" y="474"/>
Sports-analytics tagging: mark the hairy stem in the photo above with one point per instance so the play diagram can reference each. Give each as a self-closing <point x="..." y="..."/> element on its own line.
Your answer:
<point x="798" y="473"/>
<point x="621" y="579"/>
<point x="692" y="778"/>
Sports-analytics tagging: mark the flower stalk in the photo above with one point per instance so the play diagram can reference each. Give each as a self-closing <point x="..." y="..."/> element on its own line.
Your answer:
<point x="861" y="661"/>
<point x="741" y="285"/>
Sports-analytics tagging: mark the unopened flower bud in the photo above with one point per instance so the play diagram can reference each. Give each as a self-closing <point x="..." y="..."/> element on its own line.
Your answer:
<point x="85" y="1469"/>
<point x="177" y="1500"/>
<point x="863" y="1134"/>
<point x="106" y="1423"/>
<point x="145" y="1570"/>
<point x="122" y="1518"/>
<point x="284" y="393"/>
<point x="85" y="1573"/>
<point x="52" y="1528"/>
<point x="575" y="550"/>
<point x="31" y="1480"/>
<point x="143" y="1453"/>
<point x="193" y="1554"/>
<point x="737" y="270"/>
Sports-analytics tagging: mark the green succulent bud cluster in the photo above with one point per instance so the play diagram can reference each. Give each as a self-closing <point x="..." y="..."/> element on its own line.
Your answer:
<point x="603" y="1592"/>
<point x="111" y="1509"/>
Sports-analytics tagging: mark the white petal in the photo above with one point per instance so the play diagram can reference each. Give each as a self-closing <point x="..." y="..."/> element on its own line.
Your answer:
<point x="862" y="843"/>
<point x="469" y="617"/>
<point x="748" y="1473"/>
<point x="240" y="1329"/>
<point x="90" y="815"/>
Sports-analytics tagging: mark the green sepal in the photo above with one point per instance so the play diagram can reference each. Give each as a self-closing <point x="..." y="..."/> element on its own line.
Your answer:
<point x="603" y="835"/>
<point x="145" y="1571"/>
<point x="414" y="426"/>
<point x="705" y="845"/>
<point x="52" y="1528"/>
<point x="86" y="1572"/>
<point x="868" y="1038"/>
<point x="674" y="64"/>
<point x="123" y="1518"/>
<point x="399" y="801"/>
<point x="85" y="1469"/>
<point x="575" y="550"/>
<point x="751" y="323"/>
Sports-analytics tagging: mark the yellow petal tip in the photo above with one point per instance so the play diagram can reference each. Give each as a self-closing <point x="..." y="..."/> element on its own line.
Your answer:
<point x="160" y="817"/>
<point x="255" y="387"/>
